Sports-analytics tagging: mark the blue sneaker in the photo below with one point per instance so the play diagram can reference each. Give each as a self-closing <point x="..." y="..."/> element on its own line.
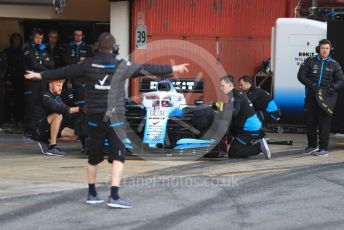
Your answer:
<point x="310" y="150"/>
<point x="321" y="153"/>
<point x="119" y="203"/>
<point x="55" y="152"/>
<point x="44" y="147"/>
<point x="93" y="199"/>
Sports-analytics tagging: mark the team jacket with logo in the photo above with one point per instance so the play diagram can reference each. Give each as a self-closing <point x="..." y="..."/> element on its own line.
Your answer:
<point x="36" y="58"/>
<point x="72" y="56"/>
<point x="244" y="115"/>
<point x="57" y="54"/>
<point x="105" y="76"/>
<point x="49" y="104"/>
<point x="74" y="52"/>
<point x="318" y="73"/>
<point x="259" y="98"/>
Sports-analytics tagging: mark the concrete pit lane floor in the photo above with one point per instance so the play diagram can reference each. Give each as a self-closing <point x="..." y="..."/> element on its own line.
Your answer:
<point x="290" y="191"/>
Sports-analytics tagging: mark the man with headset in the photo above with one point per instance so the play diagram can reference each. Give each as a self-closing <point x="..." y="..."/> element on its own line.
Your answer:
<point x="105" y="75"/>
<point x="36" y="58"/>
<point x="319" y="74"/>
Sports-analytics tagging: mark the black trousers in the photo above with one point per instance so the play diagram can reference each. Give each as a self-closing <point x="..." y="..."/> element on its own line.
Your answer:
<point x="242" y="145"/>
<point x="317" y="118"/>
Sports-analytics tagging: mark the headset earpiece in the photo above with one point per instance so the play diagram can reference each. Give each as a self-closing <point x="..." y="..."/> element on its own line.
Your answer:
<point x="115" y="49"/>
<point x="317" y="49"/>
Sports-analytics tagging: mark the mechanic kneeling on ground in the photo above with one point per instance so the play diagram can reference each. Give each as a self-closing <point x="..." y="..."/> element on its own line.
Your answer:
<point x="265" y="106"/>
<point x="48" y="117"/>
<point x="245" y="127"/>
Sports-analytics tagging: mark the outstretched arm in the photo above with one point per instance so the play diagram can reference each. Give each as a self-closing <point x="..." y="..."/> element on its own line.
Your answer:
<point x="70" y="72"/>
<point x="33" y="75"/>
<point x="180" y="69"/>
<point x="137" y="70"/>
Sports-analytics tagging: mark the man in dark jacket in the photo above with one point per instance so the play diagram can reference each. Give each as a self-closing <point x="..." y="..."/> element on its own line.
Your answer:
<point x="78" y="51"/>
<point x="48" y="117"/>
<point x="319" y="72"/>
<point x="105" y="76"/>
<point x="245" y="127"/>
<point x="55" y="50"/>
<point x="36" y="58"/>
<point x="263" y="103"/>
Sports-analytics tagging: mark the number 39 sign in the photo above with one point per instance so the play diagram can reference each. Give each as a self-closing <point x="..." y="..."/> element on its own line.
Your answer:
<point x="141" y="37"/>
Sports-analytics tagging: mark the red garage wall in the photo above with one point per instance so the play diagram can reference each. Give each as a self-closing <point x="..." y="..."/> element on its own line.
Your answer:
<point x="236" y="32"/>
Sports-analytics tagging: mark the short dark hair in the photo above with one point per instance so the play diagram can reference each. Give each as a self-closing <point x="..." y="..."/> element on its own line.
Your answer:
<point x="78" y="29"/>
<point x="53" y="31"/>
<point x="38" y="31"/>
<point x="106" y="41"/>
<point x="228" y="79"/>
<point x="324" y="42"/>
<point x="246" y="78"/>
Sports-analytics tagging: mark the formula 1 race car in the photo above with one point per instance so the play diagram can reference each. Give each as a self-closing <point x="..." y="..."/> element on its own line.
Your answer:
<point x="164" y="123"/>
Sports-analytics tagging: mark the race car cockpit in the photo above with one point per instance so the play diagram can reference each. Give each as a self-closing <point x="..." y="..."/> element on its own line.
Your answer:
<point x="165" y="121"/>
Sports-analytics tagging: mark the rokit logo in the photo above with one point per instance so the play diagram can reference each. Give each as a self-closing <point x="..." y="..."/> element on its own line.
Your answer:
<point x="306" y="54"/>
<point x="301" y="57"/>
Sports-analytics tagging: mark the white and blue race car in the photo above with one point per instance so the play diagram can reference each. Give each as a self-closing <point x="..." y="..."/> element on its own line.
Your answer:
<point x="165" y="123"/>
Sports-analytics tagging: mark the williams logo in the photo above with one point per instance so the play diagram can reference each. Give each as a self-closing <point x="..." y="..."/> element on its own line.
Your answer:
<point x="101" y="85"/>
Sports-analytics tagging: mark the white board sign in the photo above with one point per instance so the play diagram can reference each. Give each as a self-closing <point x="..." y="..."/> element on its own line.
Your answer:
<point x="141" y="37"/>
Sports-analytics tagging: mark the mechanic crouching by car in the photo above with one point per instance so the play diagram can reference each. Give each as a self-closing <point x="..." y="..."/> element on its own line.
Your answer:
<point x="105" y="76"/>
<point x="48" y="117"/>
<point x="265" y="106"/>
<point x="245" y="128"/>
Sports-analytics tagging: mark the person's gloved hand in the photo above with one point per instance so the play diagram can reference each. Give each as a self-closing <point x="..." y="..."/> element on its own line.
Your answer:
<point x="330" y="91"/>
